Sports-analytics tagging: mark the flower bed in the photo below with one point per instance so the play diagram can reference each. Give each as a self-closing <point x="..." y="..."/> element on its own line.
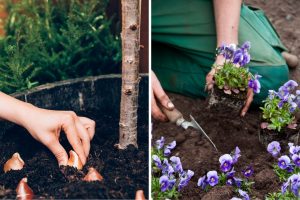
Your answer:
<point x="197" y="154"/>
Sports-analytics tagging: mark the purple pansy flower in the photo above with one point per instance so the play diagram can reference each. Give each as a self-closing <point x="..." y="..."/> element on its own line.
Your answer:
<point x="228" y="51"/>
<point x="272" y="94"/>
<point x="246" y="59"/>
<point x="248" y="171"/>
<point x="171" y="184"/>
<point x="212" y="178"/>
<point x="164" y="183"/>
<point x="167" y="168"/>
<point x="283" y="93"/>
<point x="284" y="161"/>
<point x="235" y="198"/>
<point x="238" y="56"/>
<point x="202" y="182"/>
<point x="157" y="161"/>
<point x="176" y="163"/>
<point x="184" y="179"/>
<point x="293" y="149"/>
<point x="246" y="46"/>
<point x="160" y="143"/>
<point x="236" y="155"/>
<point x="296" y="159"/>
<point x="255" y="84"/>
<point x="169" y="147"/>
<point x="294" y="183"/>
<point x="230" y="181"/>
<point x="226" y="162"/>
<point x="238" y="182"/>
<point x="244" y="194"/>
<point x="290" y="85"/>
<point x="274" y="148"/>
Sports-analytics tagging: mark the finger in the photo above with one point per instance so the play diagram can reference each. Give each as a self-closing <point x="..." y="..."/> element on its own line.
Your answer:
<point x="59" y="152"/>
<point x="210" y="79"/>
<point x="74" y="140"/>
<point x="156" y="112"/>
<point x="90" y="126"/>
<point x="85" y="138"/>
<point x="160" y="94"/>
<point x="249" y="100"/>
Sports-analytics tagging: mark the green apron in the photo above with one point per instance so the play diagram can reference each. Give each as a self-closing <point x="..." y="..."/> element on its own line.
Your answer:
<point x="184" y="43"/>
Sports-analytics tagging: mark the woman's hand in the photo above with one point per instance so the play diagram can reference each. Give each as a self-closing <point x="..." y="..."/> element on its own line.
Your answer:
<point x="46" y="126"/>
<point x="210" y="84"/>
<point x="158" y="93"/>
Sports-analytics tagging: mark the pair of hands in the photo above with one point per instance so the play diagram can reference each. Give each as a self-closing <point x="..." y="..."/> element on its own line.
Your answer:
<point x="46" y="126"/>
<point x="158" y="96"/>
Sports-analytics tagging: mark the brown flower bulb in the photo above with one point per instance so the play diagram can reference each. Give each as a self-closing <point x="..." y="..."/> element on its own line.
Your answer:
<point x="14" y="163"/>
<point x="93" y="175"/>
<point x="139" y="195"/>
<point x="74" y="160"/>
<point x="24" y="192"/>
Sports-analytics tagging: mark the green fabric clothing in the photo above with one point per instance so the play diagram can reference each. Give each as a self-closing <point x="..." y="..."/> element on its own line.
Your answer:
<point x="184" y="43"/>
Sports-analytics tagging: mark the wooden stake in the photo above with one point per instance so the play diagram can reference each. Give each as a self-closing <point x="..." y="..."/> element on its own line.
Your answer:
<point x="130" y="72"/>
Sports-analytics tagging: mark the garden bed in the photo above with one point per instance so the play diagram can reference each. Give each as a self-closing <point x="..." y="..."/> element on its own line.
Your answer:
<point x="198" y="155"/>
<point x="122" y="174"/>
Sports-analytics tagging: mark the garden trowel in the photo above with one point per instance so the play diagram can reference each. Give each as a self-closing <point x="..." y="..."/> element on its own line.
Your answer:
<point x="176" y="117"/>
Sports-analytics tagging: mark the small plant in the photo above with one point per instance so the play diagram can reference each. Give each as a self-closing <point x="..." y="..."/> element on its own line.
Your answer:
<point x="233" y="76"/>
<point x="280" y="107"/>
<point x="228" y="175"/>
<point x="168" y="176"/>
<point x="287" y="169"/>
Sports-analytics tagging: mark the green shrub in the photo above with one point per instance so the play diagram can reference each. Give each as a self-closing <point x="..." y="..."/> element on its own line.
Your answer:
<point x="48" y="40"/>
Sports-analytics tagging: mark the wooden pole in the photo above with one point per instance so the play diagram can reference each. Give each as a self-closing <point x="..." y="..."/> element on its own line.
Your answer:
<point x="130" y="72"/>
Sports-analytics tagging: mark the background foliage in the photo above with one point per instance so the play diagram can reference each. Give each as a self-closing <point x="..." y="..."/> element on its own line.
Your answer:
<point x="51" y="40"/>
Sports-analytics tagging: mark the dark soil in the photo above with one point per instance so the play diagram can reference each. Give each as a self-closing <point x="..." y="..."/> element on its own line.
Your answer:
<point x="226" y="132"/>
<point x="124" y="172"/>
<point x="233" y="103"/>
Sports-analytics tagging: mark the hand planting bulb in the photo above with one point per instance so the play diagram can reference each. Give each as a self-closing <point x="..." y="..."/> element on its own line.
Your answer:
<point x="74" y="160"/>
<point x="139" y="195"/>
<point x="14" y="163"/>
<point x="93" y="175"/>
<point x="24" y="192"/>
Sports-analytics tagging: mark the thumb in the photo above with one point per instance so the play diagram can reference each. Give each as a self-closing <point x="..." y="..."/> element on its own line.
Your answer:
<point x="59" y="152"/>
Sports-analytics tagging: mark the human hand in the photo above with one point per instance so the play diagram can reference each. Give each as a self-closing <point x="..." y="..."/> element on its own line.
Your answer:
<point x="46" y="125"/>
<point x="158" y="93"/>
<point x="210" y="84"/>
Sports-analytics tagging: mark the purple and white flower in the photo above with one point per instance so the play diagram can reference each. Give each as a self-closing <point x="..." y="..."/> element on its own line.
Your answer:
<point x="255" y="84"/>
<point x="284" y="161"/>
<point x="248" y="171"/>
<point x="202" y="182"/>
<point x="244" y="194"/>
<point x="169" y="147"/>
<point x="160" y="143"/>
<point x="226" y="162"/>
<point x="164" y="183"/>
<point x="184" y="179"/>
<point x="157" y="161"/>
<point x="296" y="159"/>
<point x="236" y="155"/>
<point x="212" y="178"/>
<point x="176" y="163"/>
<point x="274" y="148"/>
<point x="290" y="85"/>
<point x="167" y="168"/>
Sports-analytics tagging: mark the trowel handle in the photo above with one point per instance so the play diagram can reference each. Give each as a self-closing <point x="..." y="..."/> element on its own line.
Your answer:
<point x="173" y="115"/>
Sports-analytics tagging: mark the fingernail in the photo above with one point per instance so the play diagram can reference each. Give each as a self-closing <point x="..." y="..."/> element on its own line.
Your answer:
<point x="243" y="114"/>
<point x="170" y="104"/>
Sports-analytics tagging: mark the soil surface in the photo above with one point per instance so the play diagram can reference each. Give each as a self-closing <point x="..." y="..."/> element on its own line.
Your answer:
<point x="195" y="151"/>
<point x="124" y="172"/>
